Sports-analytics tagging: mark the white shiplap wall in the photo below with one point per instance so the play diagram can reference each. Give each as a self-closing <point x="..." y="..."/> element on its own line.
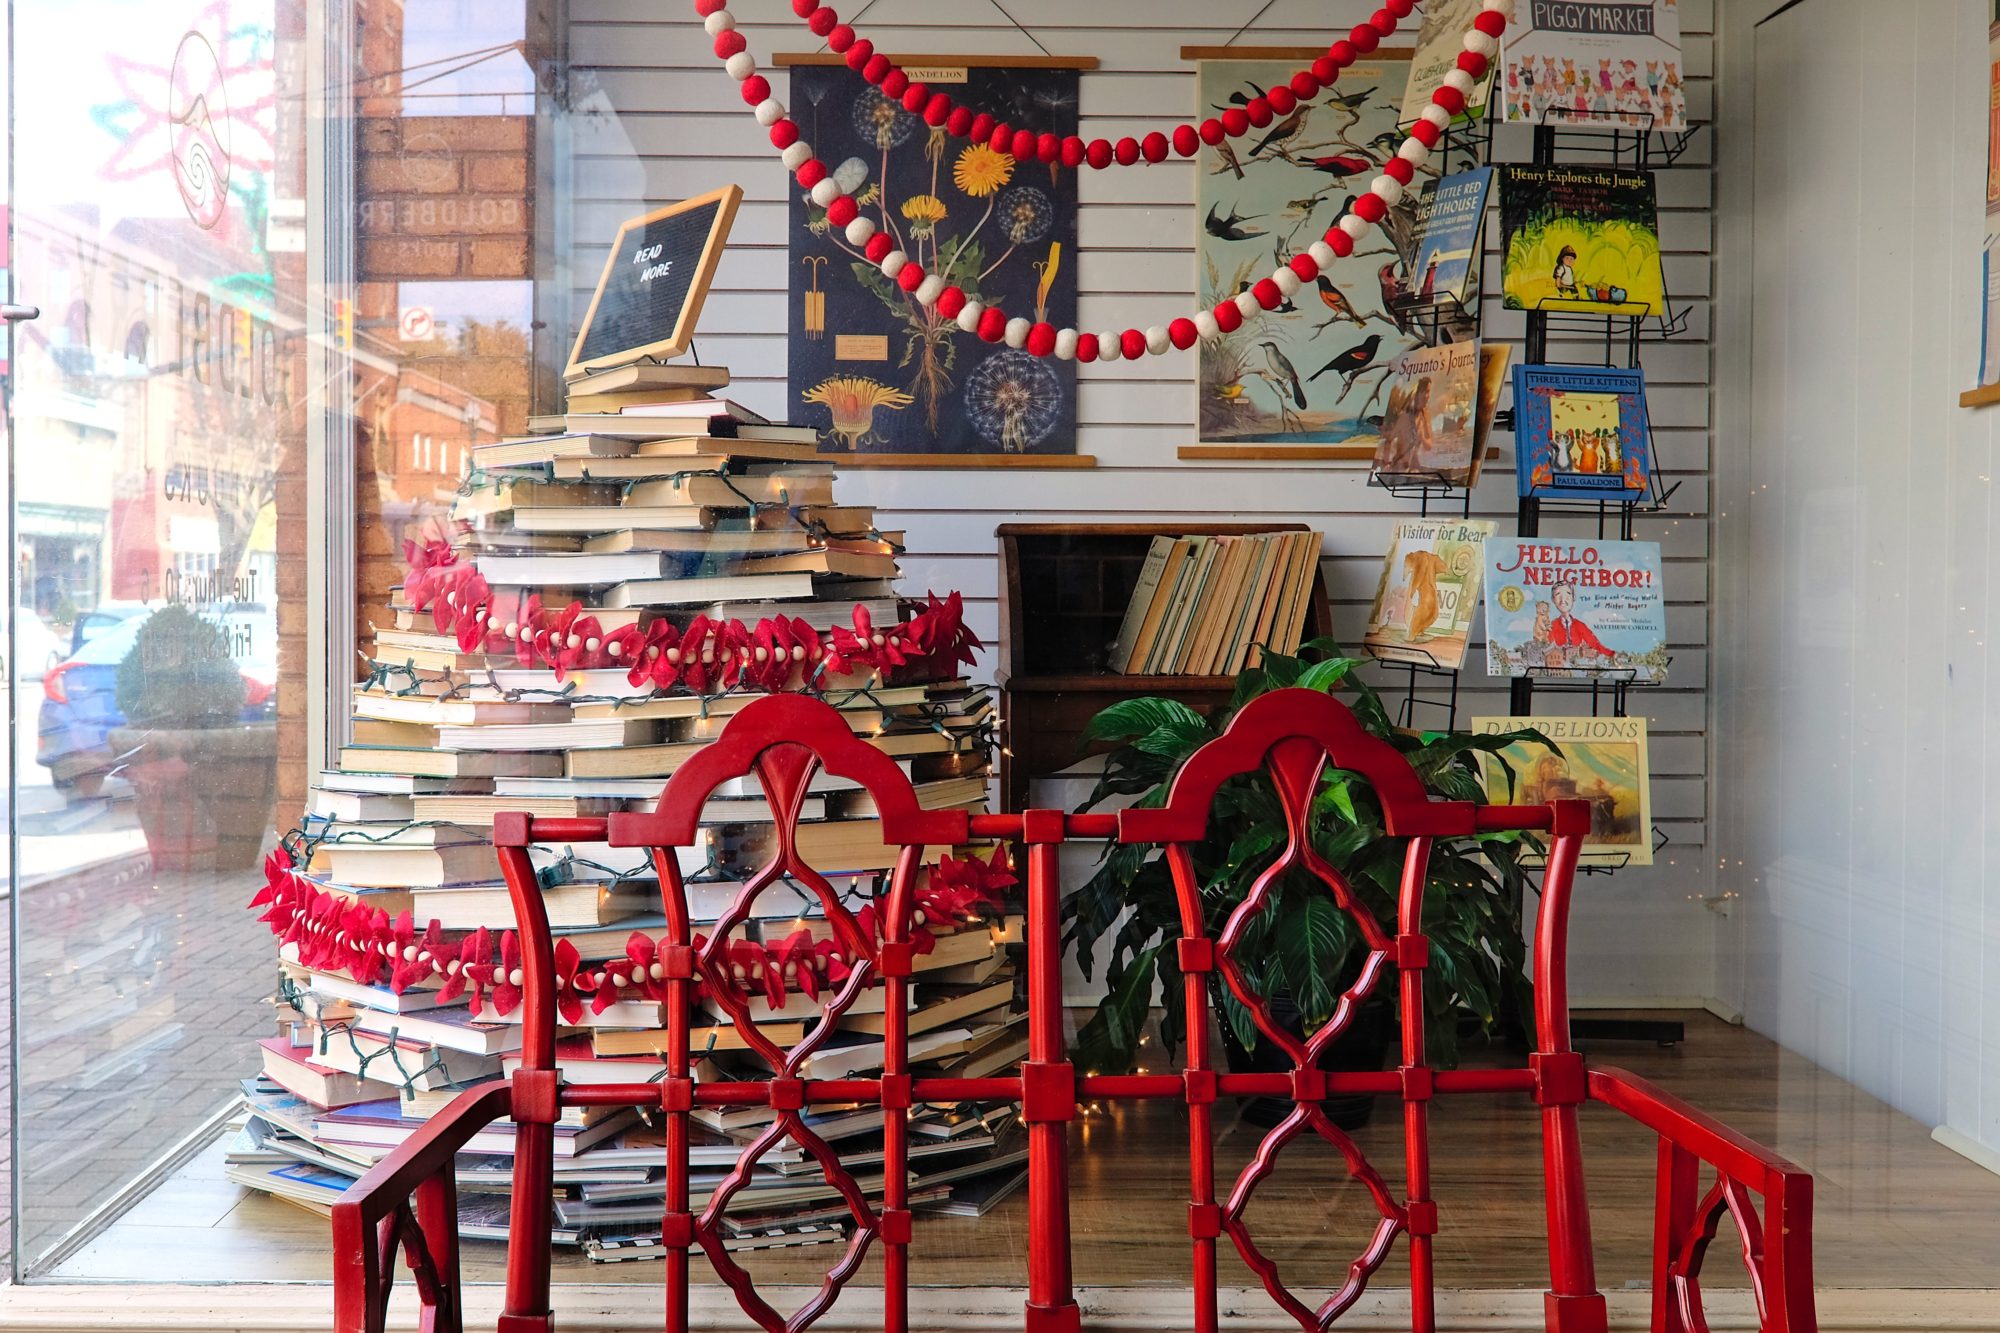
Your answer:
<point x="669" y="126"/>
<point x="1857" y="525"/>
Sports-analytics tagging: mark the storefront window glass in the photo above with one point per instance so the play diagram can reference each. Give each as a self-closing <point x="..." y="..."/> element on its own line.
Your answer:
<point x="285" y="255"/>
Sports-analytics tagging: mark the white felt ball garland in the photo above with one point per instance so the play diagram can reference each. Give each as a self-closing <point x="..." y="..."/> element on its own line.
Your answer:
<point x="931" y="292"/>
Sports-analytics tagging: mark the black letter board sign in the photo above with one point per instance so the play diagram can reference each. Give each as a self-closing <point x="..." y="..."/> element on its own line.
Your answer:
<point x="650" y="296"/>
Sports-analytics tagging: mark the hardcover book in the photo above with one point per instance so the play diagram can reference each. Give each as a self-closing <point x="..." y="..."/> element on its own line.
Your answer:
<point x="1605" y="64"/>
<point x="1440" y="42"/>
<point x="1431" y="415"/>
<point x="1429" y="591"/>
<point x="1581" y="432"/>
<point x="1601" y="760"/>
<point x="1580" y="239"/>
<point x="1493" y="359"/>
<point x="1451" y="223"/>
<point x="1575" y="609"/>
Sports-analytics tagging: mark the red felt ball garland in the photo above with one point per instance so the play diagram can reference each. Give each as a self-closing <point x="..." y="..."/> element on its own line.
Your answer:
<point x="939" y="110"/>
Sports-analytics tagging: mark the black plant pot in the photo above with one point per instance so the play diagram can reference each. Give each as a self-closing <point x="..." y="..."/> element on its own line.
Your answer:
<point x="1361" y="1049"/>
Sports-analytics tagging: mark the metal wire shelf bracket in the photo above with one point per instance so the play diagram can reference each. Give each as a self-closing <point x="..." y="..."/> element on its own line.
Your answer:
<point x="1417" y="662"/>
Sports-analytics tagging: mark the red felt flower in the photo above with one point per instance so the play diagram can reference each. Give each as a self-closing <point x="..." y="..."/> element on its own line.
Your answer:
<point x="654" y="655"/>
<point x="697" y="666"/>
<point x="625" y="647"/>
<point x="854" y="649"/>
<point x="528" y="630"/>
<point x="581" y="648"/>
<point x="733" y="648"/>
<point x="507" y="977"/>
<point x="939" y="634"/>
<point x="474" y="607"/>
<point x="400" y="950"/>
<point x="470" y="972"/>
<point x="751" y="969"/>
<point x="455" y="585"/>
<point x="424" y="558"/>
<point x="966" y="890"/>
<point x="278" y="879"/>
<point x="799" y="963"/>
<point x="571" y="981"/>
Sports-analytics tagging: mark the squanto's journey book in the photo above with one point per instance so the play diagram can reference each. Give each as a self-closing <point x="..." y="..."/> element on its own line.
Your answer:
<point x="1432" y="414"/>
<point x="1440" y="42"/>
<point x="1429" y="592"/>
<point x="1581" y="432"/>
<point x="1575" y="609"/>
<point x="1451" y="222"/>
<point x="1594" y="64"/>
<point x="1601" y="760"/>
<point x="1580" y="238"/>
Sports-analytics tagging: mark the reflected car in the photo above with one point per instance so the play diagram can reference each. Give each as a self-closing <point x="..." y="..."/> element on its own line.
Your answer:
<point x="102" y="619"/>
<point x="37" y="648"/>
<point x="80" y="695"/>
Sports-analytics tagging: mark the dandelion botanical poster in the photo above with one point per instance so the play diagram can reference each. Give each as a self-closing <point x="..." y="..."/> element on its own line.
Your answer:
<point x="1316" y="370"/>
<point x="870" y="368"/>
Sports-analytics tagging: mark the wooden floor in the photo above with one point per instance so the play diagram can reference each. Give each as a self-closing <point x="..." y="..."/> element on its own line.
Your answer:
<point x="1892" y="1208"/>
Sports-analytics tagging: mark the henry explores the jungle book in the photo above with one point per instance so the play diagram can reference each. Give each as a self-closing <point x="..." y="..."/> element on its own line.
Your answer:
<point x="1580" y="239"/>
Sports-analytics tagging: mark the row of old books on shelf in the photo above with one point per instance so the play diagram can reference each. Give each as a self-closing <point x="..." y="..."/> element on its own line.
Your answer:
<point x="651" y="500"/>
<point x="1207" y="605"/>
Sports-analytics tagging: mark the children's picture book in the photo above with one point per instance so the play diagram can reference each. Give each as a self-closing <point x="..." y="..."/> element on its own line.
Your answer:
<point x="1493" y="359"/>
<point x="1595" y="64"/>
<point x="1430" y="418"/>
<point x="1601" y="760"/>
<point x="1581" y="432"/>
<point x="1580" y="238"/>
<point x="1429" y="591"/>
<point x="1440" y="42"/>
<point x="1575" y="609"/>
<point x="1451" y="225"/>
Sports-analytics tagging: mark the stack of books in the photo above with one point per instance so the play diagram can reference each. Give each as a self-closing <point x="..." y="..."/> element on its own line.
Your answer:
<point x="608" y="595"/>
<point x="1209" y="606"/>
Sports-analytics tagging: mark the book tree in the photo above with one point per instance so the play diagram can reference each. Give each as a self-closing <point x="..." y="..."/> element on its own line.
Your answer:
<point x="606" y="594"/>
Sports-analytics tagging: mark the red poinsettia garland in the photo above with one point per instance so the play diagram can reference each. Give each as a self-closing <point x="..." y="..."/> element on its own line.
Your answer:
<point x="708" y="656"/>
<point x="333" y="933"/>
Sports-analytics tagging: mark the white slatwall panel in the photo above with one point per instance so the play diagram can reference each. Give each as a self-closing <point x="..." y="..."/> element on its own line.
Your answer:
<point x="678" y="130"/>
<point x="1856" y="531"/>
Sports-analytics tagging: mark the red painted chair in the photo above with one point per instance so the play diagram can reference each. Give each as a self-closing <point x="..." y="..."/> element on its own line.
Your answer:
<point x="407" y="1205"/>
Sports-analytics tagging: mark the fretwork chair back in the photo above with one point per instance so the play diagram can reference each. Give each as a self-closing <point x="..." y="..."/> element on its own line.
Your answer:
<point x="1290" y="737"/>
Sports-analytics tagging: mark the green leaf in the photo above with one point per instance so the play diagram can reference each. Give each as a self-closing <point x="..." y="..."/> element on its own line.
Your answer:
<point x="1109" y="1042"/>
<point x="1129" y="719"/>
<point x="1323" y="676"/>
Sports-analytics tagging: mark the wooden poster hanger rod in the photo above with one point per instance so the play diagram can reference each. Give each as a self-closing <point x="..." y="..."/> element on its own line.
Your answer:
<point x="789" y="59"/>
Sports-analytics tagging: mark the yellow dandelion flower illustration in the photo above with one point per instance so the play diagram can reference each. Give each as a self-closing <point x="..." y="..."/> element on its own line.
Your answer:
<point x="924" y="211"/>
<point x="981" y="170"/>
<point x="852" y="401"/>
<point x="924" y="208"/>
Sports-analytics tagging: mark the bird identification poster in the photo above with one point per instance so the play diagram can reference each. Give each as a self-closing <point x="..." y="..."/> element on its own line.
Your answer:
<point x="1429" y="592"/>
<point x="1601" y="760"/>
<point x="1575" y="610"/>
<point x="1315" y="370"/>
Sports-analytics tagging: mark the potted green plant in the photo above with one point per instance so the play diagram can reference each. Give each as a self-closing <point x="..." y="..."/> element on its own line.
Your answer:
<point x="201" y="775"/>
<point x="1303" y="951"/>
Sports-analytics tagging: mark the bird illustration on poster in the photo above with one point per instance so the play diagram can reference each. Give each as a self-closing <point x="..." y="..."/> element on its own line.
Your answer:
<point x="1312" y="369"/>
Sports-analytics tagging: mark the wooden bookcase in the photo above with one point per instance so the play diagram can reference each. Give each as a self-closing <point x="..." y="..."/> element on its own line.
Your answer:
<point x="1063" y="592"/>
